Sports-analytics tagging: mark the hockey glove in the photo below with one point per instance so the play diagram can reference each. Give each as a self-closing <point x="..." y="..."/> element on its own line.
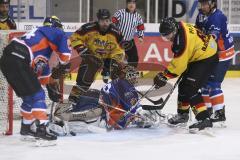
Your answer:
<point x="54" y="92"/>
<point x="60" y="70"/>
<point x="82" y="50"/>
<point x="160" y="80"/>
<point x="145" y="119"/>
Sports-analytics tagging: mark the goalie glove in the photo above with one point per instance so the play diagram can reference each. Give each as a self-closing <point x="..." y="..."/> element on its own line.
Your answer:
<point x="146" y="119"/>
<point x="60" y="70"/>
<point x="54" y="92"/>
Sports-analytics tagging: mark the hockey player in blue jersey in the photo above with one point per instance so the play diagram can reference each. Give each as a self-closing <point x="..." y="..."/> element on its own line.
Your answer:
<point x="212" y="21"/>
<point x="25" y="63"/>
<point x="117" y="103"/>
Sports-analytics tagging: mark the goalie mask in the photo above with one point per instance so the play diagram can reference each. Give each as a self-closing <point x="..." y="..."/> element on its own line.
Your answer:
<point x="130" y="74"/>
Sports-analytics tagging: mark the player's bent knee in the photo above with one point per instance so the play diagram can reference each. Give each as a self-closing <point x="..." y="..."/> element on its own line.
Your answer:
<point x="188" y="89"/>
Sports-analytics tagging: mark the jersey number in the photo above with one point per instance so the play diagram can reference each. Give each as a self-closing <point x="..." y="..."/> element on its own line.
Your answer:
<point x="30" y="34"/>
<point x="205" y="39"/>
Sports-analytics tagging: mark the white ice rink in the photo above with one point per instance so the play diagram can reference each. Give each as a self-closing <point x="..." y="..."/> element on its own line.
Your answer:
<point x="162" y="143"/>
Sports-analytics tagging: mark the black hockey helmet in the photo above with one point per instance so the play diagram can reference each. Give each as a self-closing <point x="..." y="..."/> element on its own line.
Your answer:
<point x="4" y="1"/>
<point x="128" y="1"/>
<point x="167" y="26"/>
<point x="53" y="21"/>
<point x="103" y="14"/>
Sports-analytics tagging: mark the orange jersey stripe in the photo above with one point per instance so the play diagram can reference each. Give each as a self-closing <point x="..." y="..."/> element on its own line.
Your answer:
<point x="206" y="99"/>
<point x="41" y="45"/>
<point x="221" y="43"/>
<point x="44" y="43"/>
<point x="217" y="100"/>
<point x="27" y="116"/>
<point x="40" y="115"/>
<point x="44" y="80"/>
<point x="226" y="54"/>
<point x="64" y="58"/>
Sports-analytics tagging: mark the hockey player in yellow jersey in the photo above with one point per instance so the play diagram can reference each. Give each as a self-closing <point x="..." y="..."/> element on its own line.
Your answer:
<point x="195" y="57"/>
<point x="95" y="42"/>
<point x="6" y="22"/>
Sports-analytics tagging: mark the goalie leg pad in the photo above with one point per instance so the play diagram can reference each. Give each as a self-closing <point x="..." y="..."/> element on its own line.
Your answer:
<point x="64" y="112"/>
<point x="75" y="94"/>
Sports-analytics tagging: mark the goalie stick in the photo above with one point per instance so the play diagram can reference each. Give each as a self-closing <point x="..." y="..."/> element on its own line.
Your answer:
<point x="159" y="107"/>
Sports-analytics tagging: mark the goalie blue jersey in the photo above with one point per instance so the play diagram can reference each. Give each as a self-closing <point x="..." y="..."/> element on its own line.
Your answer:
<point x="216" y="25"/>
<point x="43" y="41"/>
<point x="121" y="95"/>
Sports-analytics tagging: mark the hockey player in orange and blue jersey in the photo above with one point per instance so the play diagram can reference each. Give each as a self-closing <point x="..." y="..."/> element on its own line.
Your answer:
<point x="212" y="21"/>
<point x="25" y="60"/>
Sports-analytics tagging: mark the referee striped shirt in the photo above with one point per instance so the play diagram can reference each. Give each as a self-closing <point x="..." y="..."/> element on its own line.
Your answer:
<point x="128" y="23"/>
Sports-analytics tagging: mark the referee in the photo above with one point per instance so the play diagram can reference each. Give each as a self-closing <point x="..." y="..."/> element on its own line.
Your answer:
<point x="128" y="21"/>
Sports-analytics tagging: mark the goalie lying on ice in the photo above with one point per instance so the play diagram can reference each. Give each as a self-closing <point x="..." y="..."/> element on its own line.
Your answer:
<point x="117" y="104"/>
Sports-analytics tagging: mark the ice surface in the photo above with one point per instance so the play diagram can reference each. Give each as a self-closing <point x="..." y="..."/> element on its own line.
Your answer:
<point x="163" y="143"/>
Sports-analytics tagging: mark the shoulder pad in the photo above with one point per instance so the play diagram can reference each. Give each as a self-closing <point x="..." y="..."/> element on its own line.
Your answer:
<point x="115" y="32"/>
<point x="114" y="29"/>
<point x="87" y="27"/>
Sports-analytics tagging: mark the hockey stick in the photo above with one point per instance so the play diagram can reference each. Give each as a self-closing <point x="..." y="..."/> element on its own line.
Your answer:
<point x="51" y="112"/>
<point x="159" y="107"/>
<point x="155" y="102"/>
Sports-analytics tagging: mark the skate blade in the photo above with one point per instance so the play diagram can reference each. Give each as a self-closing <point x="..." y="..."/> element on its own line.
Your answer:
<point x="180" y="125"/>
<point x="27" y="138"/>
<point x="45" y="143"/>
<point x="207" y="131"/>
<point x="57" y="130"/>
<point x="219" y="125"/>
